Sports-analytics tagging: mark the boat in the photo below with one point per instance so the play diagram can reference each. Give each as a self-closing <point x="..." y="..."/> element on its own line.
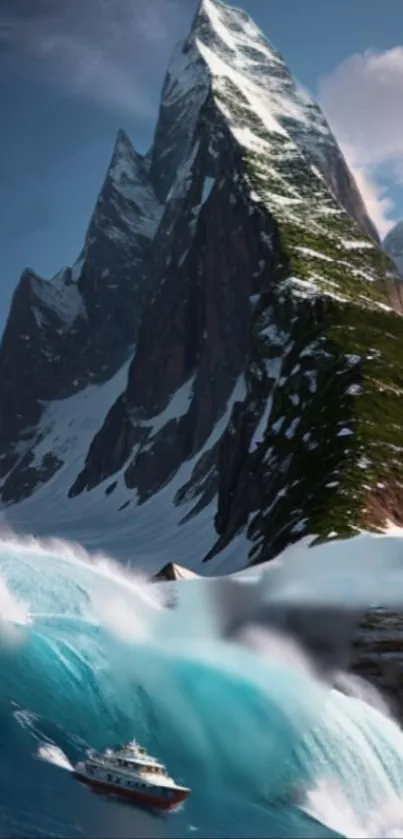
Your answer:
<point x="129" y="772"/>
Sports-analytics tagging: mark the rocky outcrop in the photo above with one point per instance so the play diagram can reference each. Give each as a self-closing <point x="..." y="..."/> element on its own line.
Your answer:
<point x="172" y="572"/>
<point x="78" y="328"/>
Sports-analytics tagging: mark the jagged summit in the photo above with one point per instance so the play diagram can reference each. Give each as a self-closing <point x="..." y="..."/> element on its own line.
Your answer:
<point x="216" y="14"/>
<point x="227" y="58"/>
<point x="393" y="245"/>
<point x="126" y="208"/>
<point x="123" y="143"/>
<point x="225" y="44"/>
<point x="126" y="204"/>
<point x="77" y="328"/>
<point x="125" y="160"/>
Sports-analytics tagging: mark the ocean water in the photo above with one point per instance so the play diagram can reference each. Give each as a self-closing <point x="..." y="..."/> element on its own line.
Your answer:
<point x="88" y="657"/>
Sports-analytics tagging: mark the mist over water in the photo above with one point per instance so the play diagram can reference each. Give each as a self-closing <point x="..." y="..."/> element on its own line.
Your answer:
<point x="245" y="721"/>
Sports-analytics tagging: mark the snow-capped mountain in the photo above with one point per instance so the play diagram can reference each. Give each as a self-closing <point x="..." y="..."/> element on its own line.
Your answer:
<point x="393" y="245"/>
<point x="253" y="409"/>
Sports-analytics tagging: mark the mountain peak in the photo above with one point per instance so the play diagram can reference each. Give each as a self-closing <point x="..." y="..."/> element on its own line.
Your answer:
<point x="230" y="33"/>
<point x="228" y="54"/>
<point x="126" y="163"/>
<point x="228" y="57"/>
<point x="122" y="137"/>
<point x="127" y="194"/>
<point x="124" y="146"/>
<point x="209" y="9"/>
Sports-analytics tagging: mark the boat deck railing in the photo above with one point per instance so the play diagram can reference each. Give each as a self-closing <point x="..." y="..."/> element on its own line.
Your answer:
<point x="141" y="759"/>
<point x="123" y="763"/>
<point x="128" y="771"/>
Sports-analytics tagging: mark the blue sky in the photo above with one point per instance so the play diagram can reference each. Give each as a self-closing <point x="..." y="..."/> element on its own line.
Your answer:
<point x="75" y="71"/>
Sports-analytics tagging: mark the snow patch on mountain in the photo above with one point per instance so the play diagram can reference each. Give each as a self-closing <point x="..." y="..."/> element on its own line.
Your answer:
<point x="59" y="296"/>
<point x="356" y="244"/>
<point x="128" y="175"/>
<point x="177" y="407"/>
<point x="68" y="426"/>
<point x="257" y="65"/>
<point x="186" y="74"/>
<point x="107" y="517"/>
<point x="63" y="435"/>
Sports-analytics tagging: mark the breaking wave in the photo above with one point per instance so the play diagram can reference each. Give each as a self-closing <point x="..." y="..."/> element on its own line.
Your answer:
<point x="91" y="651"/>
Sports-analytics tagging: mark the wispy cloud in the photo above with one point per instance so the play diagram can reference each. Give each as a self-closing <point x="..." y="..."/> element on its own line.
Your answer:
<point x="362" y="99"/>
<point x="108" y="51"/>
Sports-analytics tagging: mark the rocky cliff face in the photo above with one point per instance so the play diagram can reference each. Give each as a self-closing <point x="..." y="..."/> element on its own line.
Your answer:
<point x="77" y="328"/>
<point x="267" y="356"/>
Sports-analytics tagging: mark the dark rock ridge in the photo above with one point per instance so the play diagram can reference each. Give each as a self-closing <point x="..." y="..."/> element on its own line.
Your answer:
<point x="77" y="328"/>
<point x="267" y="357"/>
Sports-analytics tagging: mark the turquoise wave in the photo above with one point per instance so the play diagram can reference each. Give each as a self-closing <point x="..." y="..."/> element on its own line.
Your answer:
<point x="90" y="657"/>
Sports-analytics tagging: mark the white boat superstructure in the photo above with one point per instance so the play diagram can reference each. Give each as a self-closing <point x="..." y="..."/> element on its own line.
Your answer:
<point x="130" y="772"/>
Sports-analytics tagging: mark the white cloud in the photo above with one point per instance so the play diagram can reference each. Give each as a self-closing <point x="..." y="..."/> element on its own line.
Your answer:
<point x="379" y="204"/>
<point x="107" y="51"/>
<point x="362" y="100"/>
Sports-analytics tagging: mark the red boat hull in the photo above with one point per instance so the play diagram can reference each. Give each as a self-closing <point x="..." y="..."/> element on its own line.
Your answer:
<point x="152" y="801"/>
